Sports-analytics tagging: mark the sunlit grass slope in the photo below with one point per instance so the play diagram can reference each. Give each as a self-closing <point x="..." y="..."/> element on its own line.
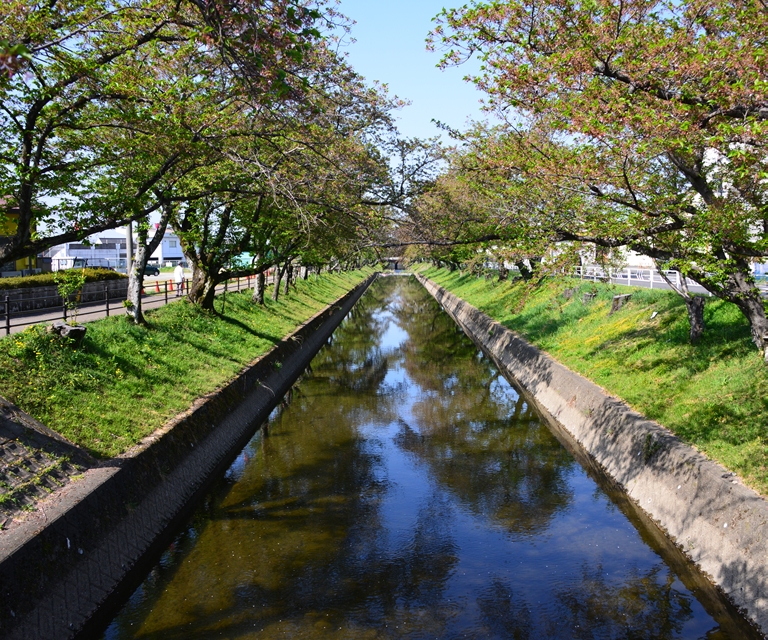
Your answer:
<point x="126" y="381"/>
<point x="713" y="395"/>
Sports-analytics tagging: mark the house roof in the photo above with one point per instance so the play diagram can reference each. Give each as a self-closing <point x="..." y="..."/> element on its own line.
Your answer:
<point x="8" y="204"/>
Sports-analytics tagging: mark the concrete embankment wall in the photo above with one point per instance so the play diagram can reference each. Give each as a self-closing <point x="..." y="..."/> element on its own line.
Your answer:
<point x="59" y="575"/>
<point x="718" y="523"/>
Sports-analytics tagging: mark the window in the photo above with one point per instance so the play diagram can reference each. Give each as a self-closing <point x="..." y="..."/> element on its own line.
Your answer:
<point x="171" y="244"/>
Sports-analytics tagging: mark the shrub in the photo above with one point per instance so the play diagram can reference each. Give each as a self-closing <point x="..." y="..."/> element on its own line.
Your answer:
<point x="70" y="283"/>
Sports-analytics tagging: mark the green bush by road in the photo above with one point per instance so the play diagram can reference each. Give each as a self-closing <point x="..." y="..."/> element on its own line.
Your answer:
<point x="126" y="381"/>
<point x="713" y="395"/>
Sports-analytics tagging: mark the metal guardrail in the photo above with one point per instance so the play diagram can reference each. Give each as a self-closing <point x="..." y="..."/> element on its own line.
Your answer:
<point x="157" y="290"/>
<point x="651" y="278"/>
<point x="631" y="276"/>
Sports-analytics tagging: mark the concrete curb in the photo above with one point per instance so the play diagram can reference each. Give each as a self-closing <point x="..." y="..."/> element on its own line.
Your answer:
<point x="718" y="523"/>
<point x="58" y="574"/>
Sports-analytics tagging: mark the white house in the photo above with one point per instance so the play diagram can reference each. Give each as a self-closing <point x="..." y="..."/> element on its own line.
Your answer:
<point x="106" y="249"/>
<point x="168" y="253"/>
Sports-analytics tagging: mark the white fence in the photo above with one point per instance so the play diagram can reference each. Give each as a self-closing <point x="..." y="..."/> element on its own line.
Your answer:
<point x="633" y="276"/>
<point x="651" y="278"/>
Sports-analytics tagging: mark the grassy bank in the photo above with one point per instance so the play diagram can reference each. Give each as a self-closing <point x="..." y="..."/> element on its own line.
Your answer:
<point x="713" y="395"/>
<point x="126" y="381"/>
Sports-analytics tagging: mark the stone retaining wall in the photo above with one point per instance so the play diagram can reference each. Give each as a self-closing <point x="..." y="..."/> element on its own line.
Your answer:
<point x="61" y="572"/>
<point x="720" y="525"/>
<point x="34" y="298"/>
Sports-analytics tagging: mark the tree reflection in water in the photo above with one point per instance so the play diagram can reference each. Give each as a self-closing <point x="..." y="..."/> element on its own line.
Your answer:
<point x="645" y="605"/>
<point x="480" y="439"/>
<point x="408" y="491"/>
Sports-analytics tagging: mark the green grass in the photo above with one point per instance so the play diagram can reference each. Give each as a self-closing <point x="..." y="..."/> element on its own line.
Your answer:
<point x="126" y="381"/>
<point x="713" y="395"/>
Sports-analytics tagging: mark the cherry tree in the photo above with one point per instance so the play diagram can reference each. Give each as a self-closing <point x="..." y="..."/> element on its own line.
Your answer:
<point x="637" y="124"/>
<point x="84" y="65"/>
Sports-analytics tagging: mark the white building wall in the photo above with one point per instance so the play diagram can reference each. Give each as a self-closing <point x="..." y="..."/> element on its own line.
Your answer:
<point x="168" y="251"/>
<point x="102" y="250"/>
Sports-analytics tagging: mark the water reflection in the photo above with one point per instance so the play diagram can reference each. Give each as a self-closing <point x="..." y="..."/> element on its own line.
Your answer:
<point x="408" y="491"/>
<point x="480" y="439"/>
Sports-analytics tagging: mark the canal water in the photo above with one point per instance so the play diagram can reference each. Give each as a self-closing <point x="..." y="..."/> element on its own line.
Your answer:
<point x="407" y="490"/>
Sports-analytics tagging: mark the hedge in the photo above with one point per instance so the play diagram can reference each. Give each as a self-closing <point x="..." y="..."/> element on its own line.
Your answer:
<point x="46" y="279"/>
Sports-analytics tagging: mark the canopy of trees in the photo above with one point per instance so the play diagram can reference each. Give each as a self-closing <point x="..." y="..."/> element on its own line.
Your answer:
<point x="237" y="122"/>
<point x="638" y="124"/>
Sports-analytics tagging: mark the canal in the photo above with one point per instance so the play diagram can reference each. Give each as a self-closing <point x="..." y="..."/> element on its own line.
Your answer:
<point x="407" y="490"/>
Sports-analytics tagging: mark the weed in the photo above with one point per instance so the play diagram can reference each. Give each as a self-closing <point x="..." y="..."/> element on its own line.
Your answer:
<point x="650" y="447"/>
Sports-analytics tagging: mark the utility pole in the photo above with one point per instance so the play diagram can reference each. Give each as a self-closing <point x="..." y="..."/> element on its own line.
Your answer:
<point x="128" y="248"/>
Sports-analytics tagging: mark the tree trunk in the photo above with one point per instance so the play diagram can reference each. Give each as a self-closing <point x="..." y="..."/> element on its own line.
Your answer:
<point x="279" y="272"/>
<point x="202" y="289"/>
<point x="133" y="308"/>
<point x="752" y="307"/>
<point x="133" y="301"/>
<point x="196" y="285"/>
<point x="143" y="250"/>
<point x="258" y="290"/>
<point x="695" y="307"/>
<point x="288" y="276"/>
<point x="276" y="288"/>
<point x="524" y="270"/>
<point x="693" y="304"/>
<point x="209" y="295"/>
<point x="503" y="272"/>
<point x="136" y="276"/>
<point x="136" y="280"/>
<point x="739" y="288"/>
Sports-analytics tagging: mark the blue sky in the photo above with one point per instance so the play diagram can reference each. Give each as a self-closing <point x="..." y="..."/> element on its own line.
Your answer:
<point x="390" y="47"/>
